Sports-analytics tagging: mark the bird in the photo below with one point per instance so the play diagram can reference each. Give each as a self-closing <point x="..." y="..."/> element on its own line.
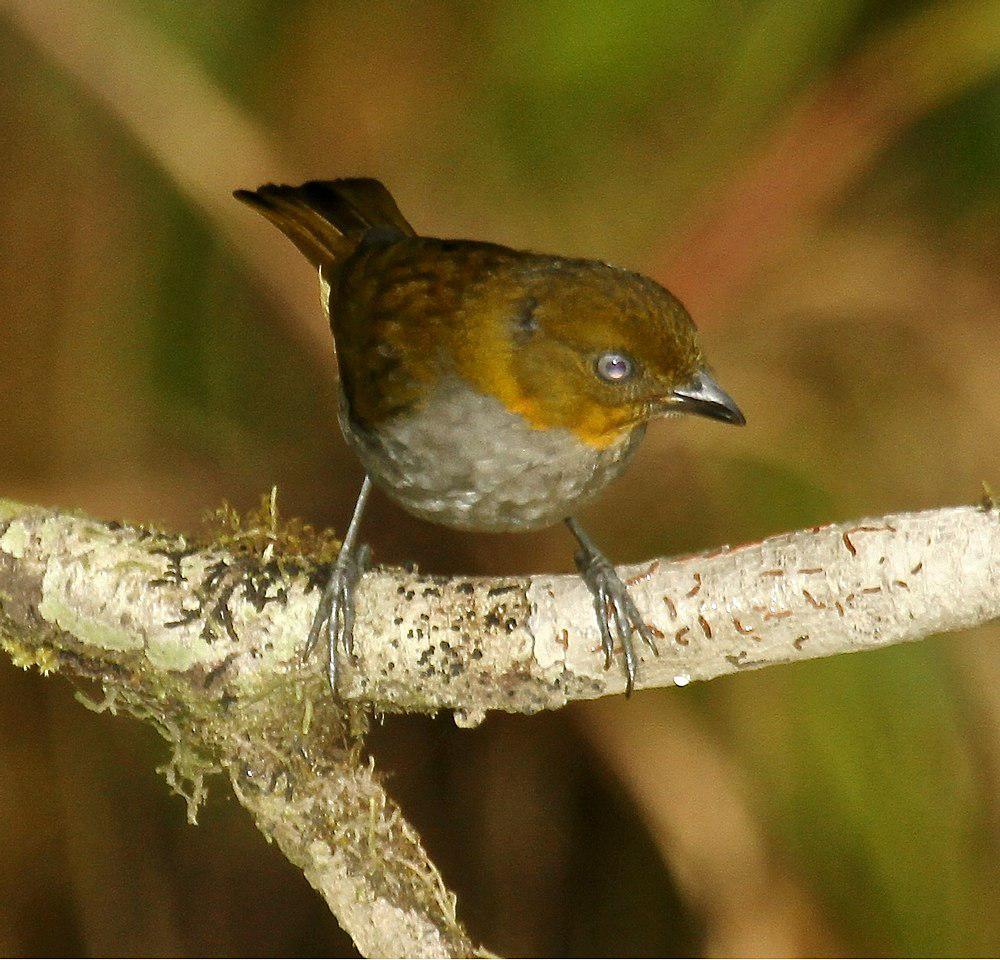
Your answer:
<point x="486" y="388"/>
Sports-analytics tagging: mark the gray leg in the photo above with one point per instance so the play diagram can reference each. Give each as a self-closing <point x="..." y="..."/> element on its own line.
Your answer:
<point x="336" y="606"/>
<point x="617" y="615"/>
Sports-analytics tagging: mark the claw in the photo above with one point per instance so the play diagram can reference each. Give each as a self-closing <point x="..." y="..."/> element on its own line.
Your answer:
<point x="622" y="624"/>
<point x="630" y="664"/>
<point x="647" y="636"/>
<point x="335" y="612"/>
<point x="319" y="621"/>
<point x="347" y="621"/>
<point x="618" y="618"/>
<point x="601" y="601"/>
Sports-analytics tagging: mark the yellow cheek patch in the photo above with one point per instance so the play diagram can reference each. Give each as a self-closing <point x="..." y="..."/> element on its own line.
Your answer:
<point x="600" y="438"/>
<point x="486" y="362"/>
<point x="595" y="427"/>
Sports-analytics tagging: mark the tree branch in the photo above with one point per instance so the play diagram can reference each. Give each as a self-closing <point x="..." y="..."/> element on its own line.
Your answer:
<point x="206" y="642"/>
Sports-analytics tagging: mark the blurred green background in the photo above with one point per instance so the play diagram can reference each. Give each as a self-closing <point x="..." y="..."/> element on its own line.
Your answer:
<point x="819" y="180"/>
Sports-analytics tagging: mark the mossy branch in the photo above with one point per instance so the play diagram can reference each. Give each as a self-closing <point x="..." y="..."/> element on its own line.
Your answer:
<point x="205" y="641"/>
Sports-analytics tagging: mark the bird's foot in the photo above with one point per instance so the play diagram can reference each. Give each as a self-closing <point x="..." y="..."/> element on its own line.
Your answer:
<point x="617" y="615"/>
<point x="334" y="617"/>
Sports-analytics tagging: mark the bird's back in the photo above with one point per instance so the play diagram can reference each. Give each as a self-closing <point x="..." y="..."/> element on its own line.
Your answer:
<point x="467" y="368"/>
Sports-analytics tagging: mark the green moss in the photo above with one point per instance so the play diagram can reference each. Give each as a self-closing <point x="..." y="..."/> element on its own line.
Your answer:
<point x="26" y="655"/>
<point x="252" y="533"/>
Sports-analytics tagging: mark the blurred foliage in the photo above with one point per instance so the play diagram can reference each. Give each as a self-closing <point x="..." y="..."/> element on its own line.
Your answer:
<point x="145" y="376"/>
<point x="952" y="157"/>
<point x="900" y="859"/>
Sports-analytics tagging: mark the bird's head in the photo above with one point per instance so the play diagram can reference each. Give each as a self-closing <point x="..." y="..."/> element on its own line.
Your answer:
<point x="590" y="348"/>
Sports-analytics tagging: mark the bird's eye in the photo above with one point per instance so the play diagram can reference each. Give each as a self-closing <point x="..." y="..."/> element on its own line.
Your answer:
<point x="614" y="367"/>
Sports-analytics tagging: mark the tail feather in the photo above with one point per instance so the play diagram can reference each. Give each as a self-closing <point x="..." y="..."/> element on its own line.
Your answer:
<point x="326" y="219"/>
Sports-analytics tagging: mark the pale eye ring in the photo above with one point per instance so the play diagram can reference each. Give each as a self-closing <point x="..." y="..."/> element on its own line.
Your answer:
<point x="614" y="367"/>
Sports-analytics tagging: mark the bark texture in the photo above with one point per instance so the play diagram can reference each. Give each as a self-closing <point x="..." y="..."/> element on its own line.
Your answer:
<point x="207" y="643"/>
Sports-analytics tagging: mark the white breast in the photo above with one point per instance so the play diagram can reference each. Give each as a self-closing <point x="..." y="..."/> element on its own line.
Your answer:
<point x="463" y="460"/>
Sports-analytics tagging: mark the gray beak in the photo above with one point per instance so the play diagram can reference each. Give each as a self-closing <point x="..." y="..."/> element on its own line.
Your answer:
<point x="702" y="395"/>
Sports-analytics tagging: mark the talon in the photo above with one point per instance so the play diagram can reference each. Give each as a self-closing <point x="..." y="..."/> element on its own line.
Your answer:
<point x="335" y="613"/>
<point x="335" y="610"/>
<point x="622" y="624"/>
<point x="347" y="617"/>
<point x="630" y="666"/>
<point x="647" y="636"/>
<point x="618" y="618"/>
<point x="319" y="621"/>
<point x="607" y="641"/>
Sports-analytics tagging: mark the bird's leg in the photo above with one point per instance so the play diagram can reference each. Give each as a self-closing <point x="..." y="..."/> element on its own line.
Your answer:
<point x="336" y="607"/>
<point x="617" y="615"/>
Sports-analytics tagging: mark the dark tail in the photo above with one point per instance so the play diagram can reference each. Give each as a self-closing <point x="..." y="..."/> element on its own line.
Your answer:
<point x="326" y="219"/>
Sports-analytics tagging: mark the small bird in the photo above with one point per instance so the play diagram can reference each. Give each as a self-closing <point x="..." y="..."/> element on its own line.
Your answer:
<point x="487" y="388"/>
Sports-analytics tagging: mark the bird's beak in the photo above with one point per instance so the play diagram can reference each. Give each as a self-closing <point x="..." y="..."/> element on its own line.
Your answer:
<point x="702" y="395"/>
